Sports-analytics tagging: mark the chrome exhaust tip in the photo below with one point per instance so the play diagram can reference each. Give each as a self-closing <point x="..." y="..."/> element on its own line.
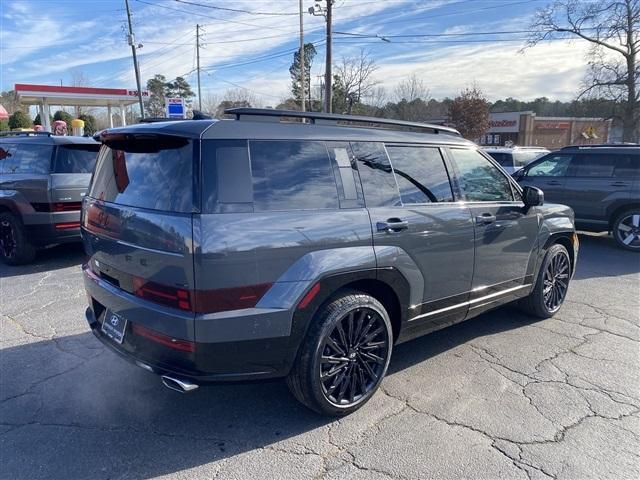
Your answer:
<point x="182" y="386"/>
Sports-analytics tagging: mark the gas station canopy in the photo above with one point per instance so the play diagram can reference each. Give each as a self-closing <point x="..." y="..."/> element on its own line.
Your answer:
<point x="45" y="95"/>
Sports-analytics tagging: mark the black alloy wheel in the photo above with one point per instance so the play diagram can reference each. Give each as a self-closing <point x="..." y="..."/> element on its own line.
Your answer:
<point x="344" y="356"/>
<point x="354" y="357"/>
<point x="8" y="243"/>
<point x="556" y="280"/>
<point x="626" y="230"/>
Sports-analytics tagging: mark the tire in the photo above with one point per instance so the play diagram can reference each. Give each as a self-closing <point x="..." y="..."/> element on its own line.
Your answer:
<point x="353" y="370"/>
<point x="15" y="249"/>
<point x="626" y="229"/>
<point x="552" y="284"/>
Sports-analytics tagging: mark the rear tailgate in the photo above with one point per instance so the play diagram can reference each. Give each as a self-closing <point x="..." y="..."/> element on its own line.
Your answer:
<point x="137" y="232"/>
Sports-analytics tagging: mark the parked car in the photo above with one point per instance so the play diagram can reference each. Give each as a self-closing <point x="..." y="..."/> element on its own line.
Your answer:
<point x="514" y="158"/>
<point x="42" y="181"/>
<point x="600" y="182"/>
<point x="257" y="248"/>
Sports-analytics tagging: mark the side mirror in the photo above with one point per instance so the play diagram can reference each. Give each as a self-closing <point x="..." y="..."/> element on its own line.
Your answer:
<point x="532" y="196"/>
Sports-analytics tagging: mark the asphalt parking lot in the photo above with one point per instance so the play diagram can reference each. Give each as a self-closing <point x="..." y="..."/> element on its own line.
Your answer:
<point x="499" y="396"/>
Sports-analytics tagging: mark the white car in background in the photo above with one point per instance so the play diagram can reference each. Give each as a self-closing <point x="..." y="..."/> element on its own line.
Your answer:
<point x="514" y="158"/>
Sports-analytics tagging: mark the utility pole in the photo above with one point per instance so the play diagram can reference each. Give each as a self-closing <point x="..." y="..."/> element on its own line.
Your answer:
<point x="327" y="81"/>
<point x="132" y="41"/>
<point x="198" y="66"/>
<point x="303" y="76"/>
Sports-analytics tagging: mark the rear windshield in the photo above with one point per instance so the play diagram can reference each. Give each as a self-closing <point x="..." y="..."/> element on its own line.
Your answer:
<point x="76" y="158"/>
<point x="154" y="173"/>
<point x="504" y="159"/>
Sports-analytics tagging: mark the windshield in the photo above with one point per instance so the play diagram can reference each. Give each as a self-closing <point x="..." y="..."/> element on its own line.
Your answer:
<point x="155" y="174"/>
<point x="76" y="158"/>
<point x="504" y="159"/>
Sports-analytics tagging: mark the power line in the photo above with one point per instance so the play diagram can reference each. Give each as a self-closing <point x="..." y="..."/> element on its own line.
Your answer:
<point x="207" y="16"/>
<point x="237" y="10"/>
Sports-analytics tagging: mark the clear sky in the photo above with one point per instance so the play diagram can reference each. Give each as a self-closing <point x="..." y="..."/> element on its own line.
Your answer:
<point x="45" y="41"/>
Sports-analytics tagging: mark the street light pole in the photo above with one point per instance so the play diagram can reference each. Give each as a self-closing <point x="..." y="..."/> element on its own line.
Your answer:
<point x="132" y="41"/>
<point x="198" y="65"/>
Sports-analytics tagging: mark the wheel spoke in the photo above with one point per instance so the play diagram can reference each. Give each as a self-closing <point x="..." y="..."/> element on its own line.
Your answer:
<point x="623" y="228"/>
<point x="372" y="357"/>
<point x="635" y="220"/>
<point x="628" y="239"/>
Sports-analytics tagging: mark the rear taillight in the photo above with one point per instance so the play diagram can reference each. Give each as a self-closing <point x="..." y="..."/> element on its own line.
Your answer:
<point x="162" y="294"/>
<point x="161" y="338"/>
<point x="66" y="206"/>
<point x="223" y="299"/>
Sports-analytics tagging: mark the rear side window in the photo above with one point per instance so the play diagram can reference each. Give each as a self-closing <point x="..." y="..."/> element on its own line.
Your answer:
<point x="292" y="175"/>
<point x="378" y="181"/>
<point x="25" y="158"/>
<point x="76" y="158"/>
<point x="154" y="173"/>
<point x="594" y="165"/>
<point x="420" y="174"/>
<point x="627" y="166"/>
<point x="226" y="176"/>
<point x="479" y="179"/>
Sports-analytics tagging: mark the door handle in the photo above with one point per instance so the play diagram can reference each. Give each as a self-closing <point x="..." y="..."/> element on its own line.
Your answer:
<point x="485" y="219"/>
<point x="619" y="184"/>
<point x="554" y="182"/>
<point x="392" y="225"/>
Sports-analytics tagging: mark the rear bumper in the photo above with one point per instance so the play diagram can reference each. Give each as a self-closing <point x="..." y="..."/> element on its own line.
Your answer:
<point x="213" y="361"/>
<point x="51" y="228"/>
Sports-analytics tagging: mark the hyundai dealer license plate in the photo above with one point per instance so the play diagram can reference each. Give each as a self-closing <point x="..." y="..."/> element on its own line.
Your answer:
<point x="114" y="326"/>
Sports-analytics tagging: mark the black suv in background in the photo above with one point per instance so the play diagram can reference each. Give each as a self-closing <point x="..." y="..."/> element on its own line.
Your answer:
<point x="42" y="181"/>
<point x="260" y="247"/>
<point x="600" y="182"/>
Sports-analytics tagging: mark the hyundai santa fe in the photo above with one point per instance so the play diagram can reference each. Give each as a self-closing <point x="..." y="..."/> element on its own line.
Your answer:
<point x="267" y="246"/>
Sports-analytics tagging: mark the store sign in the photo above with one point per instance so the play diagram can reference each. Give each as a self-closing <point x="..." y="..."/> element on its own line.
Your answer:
<point x="175" y="107"/>
<point x="504" y="122"/>
<point x="553" y="125"/>
<point x="134" y="93"/>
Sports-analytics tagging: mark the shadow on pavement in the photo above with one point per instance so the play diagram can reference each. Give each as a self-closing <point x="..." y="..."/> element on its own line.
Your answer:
<point x="107" y="418"/>
<point x="54" y="258"/>
<point x="599" y="256"/>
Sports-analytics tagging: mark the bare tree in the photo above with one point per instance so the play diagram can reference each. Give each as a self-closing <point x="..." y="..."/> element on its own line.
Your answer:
<point x="411" y="88"/>
<point x="236" y="97"/>
<point x="210" y="102"/>
<point x="611" y="27"/>
<point x="469" y="112"/>
<point x="10" y="100"/>
<point x="79" y="79"/>
<point x="355" y="77"/>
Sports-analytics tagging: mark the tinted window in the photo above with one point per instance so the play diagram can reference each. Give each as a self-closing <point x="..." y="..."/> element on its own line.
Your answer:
<point x="420" y="174"/>
<point x="25" y="158"/>
<point x="504" y="159"/>
<point x="76" y="158"/>
<point x="550" y="166"/>
<point x="226" y="176"/>
<point x="378" y="181"/>
<point x="291" y="175"/>
<point x="7" y="150"/>
<point x="594" y="165"/>
<point x="156" y="174"/>
<point x="478" y="178"/>
<point x="627" y="166"/>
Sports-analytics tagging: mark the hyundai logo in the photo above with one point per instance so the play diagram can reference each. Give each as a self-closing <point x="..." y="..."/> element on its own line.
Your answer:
<point x="114" y="320"/>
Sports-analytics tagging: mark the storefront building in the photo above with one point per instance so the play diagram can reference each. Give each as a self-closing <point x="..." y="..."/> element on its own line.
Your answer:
<point x="526" y="129"/>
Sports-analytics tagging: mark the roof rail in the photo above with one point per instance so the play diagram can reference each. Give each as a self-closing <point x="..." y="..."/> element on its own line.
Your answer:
<point x="603" y="145"/>
<point x="332" y="119"/>
<point x="12" y="133"/>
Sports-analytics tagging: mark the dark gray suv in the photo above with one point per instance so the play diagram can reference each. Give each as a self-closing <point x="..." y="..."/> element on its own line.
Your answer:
<point x="600" y="182"/>
<point x="263" y="247"/>
<point x="42" y="181"/>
